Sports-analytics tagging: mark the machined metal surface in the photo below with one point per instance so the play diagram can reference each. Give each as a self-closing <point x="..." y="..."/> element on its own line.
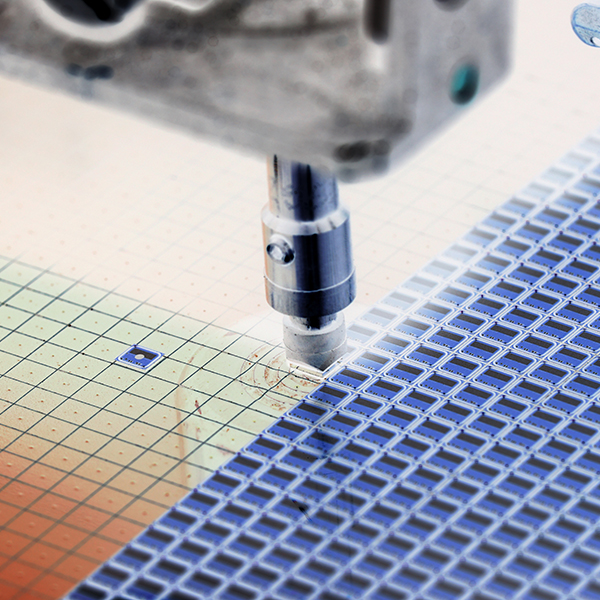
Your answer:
<point x="309" y="271"/>
<point x="348" y="86"/>
<point x="308" y="259"/>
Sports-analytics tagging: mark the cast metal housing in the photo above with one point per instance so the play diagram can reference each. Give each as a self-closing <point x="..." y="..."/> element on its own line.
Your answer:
<point x="347" y="86"/>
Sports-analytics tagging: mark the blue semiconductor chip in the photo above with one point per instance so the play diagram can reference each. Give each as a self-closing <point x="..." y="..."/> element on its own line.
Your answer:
<point x="139" y="358"/>
<point x="453" y="454"/>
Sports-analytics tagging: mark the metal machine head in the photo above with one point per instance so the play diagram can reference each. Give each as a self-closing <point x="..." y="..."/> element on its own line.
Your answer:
<point x="348" y="86"/>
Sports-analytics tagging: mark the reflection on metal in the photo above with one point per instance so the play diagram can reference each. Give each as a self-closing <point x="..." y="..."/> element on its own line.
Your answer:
<point x="316" y="343"/>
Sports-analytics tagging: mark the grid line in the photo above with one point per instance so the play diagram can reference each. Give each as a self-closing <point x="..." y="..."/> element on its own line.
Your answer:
<point x="24" y="359"/>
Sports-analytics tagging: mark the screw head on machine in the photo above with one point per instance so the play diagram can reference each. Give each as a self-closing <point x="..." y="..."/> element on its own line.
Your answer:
<point x="280" y="250"/>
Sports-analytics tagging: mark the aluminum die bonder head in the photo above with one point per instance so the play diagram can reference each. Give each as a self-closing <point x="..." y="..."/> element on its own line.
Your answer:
<point x="309" y="272"/>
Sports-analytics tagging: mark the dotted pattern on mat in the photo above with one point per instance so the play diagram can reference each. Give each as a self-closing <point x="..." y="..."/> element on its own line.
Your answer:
<point x="454" y="454"/>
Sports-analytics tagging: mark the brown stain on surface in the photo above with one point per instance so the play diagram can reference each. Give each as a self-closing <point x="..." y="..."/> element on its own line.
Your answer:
<point x="180" y="406"/>
<point x="275" y="375"/>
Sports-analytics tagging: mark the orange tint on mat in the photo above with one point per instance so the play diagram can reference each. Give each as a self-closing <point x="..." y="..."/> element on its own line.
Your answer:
<point x="65" y="511"/>
<point x="49" y="542"/>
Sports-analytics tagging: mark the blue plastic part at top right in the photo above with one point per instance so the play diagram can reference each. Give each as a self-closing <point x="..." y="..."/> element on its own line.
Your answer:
<point x="586" y="23"/>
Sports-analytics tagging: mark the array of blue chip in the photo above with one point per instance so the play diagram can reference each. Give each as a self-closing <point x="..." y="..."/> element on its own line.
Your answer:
<point x="455" y="454"/>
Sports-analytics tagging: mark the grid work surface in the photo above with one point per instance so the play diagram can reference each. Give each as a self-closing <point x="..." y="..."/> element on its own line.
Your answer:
<point x="453" y="454"/>
<point x="94" y="451"/>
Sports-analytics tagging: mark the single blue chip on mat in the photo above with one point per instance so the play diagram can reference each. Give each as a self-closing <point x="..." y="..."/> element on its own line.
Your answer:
<point x="139" y="358"/>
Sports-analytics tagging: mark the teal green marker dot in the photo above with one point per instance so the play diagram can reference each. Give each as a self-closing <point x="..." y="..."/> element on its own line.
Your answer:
<point x="465" y="84"/>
